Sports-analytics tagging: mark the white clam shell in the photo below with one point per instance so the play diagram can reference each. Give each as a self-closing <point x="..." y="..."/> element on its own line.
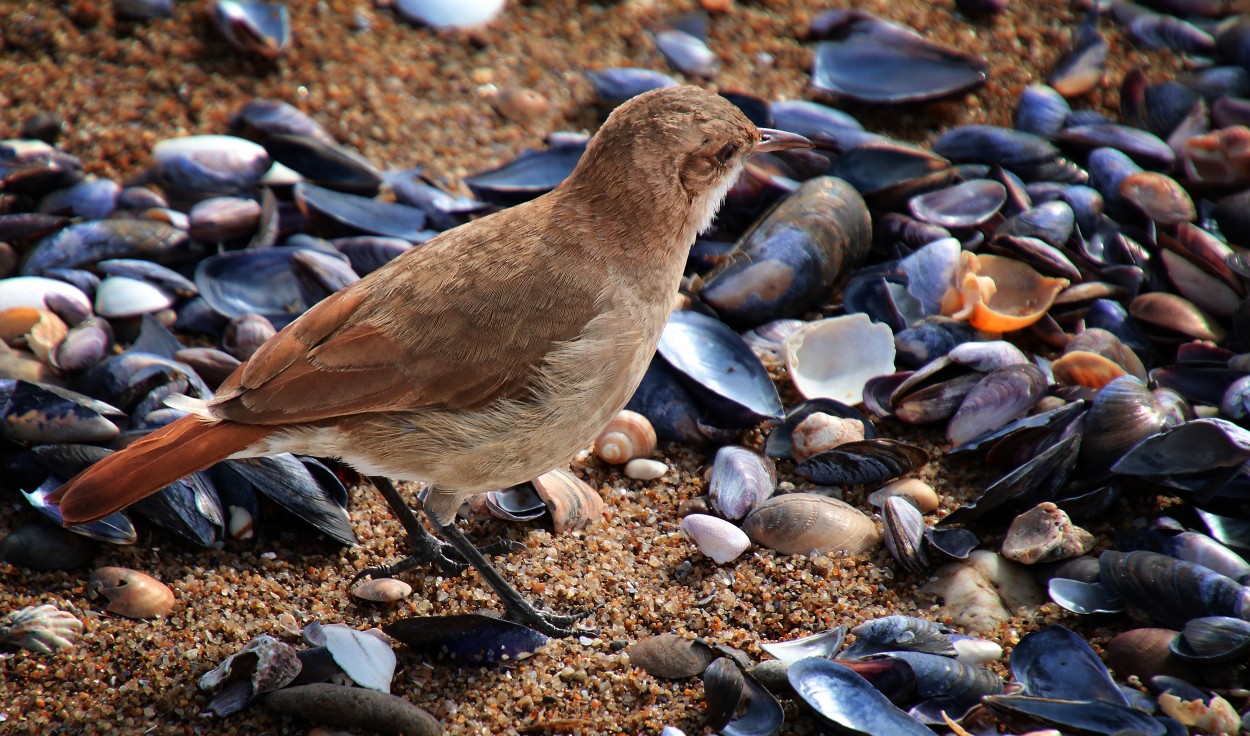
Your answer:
<point x="118" y="296"/>
<point x="833" y="358"/>
<point x="715" y="537"/>
<point x="30" y="291"/>
<point x="366" y="658"/>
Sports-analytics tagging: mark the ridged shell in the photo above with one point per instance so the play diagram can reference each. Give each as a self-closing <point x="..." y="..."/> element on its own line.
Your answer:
<point x="801" y="523"/>
<point x="43" y="629"/>
<point x="629" y="435"/>
<point x="573" y="503"/>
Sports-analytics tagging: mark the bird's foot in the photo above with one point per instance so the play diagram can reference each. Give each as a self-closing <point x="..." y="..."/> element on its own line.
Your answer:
<point x="550" y="623"/>
<point x="425" y="550"/>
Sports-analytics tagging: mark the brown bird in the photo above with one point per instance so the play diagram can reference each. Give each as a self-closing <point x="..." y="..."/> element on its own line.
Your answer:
<point x="485" y="357"/>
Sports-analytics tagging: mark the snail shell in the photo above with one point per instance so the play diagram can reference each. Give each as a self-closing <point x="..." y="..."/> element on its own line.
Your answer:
<point x="628" y="436"/>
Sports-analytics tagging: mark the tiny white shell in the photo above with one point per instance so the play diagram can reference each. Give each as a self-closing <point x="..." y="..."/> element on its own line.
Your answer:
<point x="715" y="537"/>
<point x="833" y="358"/>
<point x="118" y="296"/>
<point x="643" y="469"/>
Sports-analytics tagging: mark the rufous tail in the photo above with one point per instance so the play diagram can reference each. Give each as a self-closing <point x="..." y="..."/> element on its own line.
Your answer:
<point x="148" y="465"/>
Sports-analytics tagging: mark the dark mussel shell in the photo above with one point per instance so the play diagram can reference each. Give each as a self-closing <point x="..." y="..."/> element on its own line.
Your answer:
<point x="718" y="367"/>
<point x="324" y="163"/>
<point x="1056" y="663"/>
<point x="615" y="85"/>
<point x="877" y="62"/>
<point x="1213" y="639"/>
<point x="859" y="463"/>
<point x="1035" y="481"/>
<point x="1073" y="716"/>
<point x="86" y="243"/>
<point x="342" y="214"/>
<point x="847" y="701"/>
<point x="529" y="175"/>
<point x="259" y="119"/>
<point x="900" y="634"/>
<point x="189" y="507"/>
<point x="261" y="282"/>
<point x="1172" y="591"/>
<point x="790" y="260"/>
<point x="670" y="408"/>
<point x="307" y="492"/>
<point x="467" y="637"/>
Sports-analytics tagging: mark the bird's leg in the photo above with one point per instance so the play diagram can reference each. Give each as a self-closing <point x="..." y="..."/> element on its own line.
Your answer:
<point x="518" y="609"/>
<point x="425" y="548"/>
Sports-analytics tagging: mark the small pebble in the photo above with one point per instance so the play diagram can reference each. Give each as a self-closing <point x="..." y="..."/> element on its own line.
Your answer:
<point x="382" y="590"/>
<point x="644" y="469"/>
<point x="354" y="708"/>
<point x="520" y="105"/>
<point x="45" y="547"/>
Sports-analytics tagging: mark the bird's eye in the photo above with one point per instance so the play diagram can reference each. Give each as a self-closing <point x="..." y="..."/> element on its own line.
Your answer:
<point x="726" y="152"/>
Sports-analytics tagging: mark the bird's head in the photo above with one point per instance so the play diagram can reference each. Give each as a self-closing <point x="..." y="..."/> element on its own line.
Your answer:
<point x="679" y="146"/>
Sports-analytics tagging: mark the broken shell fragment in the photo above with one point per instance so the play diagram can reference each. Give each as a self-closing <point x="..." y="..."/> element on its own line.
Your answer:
<point x="366" y="658"/>
<point x="43" y="629"/>
<point x="998" y="294"/>
<point x="802" y="523"/>
<point x="715" y="537"/>
<point x="131" y="593"/>
<point x="983" y="591"/>
<point x="629" y="435"/>
<point x="820" y="364"/>
<point x="1045" y="534"/>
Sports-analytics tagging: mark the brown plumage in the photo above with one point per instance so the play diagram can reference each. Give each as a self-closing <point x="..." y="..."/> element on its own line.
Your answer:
<point x="490" y="354"/>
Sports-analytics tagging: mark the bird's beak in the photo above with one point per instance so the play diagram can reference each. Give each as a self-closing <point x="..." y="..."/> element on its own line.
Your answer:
<point x="780" y="140"/>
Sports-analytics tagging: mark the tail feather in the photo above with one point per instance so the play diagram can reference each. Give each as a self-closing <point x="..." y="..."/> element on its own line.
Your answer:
<point x="148" y="465"/>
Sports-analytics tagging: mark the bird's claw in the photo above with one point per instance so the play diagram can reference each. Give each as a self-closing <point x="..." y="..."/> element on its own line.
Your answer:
<point x="550" y="623"/>
<point x="437" y="553"/>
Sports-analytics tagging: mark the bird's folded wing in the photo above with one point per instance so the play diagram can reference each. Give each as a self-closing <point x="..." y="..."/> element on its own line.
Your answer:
<point x="458" y="345"/>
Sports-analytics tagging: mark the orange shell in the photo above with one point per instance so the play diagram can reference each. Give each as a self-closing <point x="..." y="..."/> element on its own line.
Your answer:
<point x="997" y="294"/>
<point x="1082" y="368"/>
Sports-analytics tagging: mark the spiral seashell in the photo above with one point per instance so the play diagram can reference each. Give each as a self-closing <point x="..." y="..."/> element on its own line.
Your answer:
<point x="629" y="435"/>
<point x="820" y="432"/>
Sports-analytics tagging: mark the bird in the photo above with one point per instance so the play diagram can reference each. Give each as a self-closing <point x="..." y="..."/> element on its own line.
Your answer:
<point x="486" y="356"/>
